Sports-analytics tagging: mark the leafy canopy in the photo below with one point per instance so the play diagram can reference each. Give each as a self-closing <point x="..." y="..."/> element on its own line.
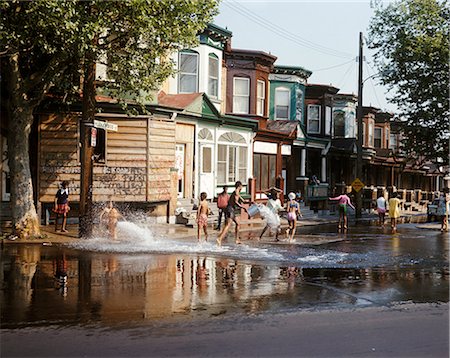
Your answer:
<point x="411" y="39"/>
<point x="134" y="38"/>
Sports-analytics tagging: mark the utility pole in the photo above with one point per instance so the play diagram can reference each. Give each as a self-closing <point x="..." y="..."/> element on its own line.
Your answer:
<point x="359" y="117"/>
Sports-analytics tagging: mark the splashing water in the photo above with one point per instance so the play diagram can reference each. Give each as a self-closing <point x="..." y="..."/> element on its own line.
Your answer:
<point x="131" y="230"/>
<point x="272" y="219"/>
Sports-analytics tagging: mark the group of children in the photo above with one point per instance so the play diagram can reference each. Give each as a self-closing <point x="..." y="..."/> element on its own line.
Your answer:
<point x="230" y="205"/>
<point x="109" y="216"/>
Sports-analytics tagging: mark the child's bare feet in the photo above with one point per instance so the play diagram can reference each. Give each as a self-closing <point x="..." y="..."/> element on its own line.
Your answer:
<point x="219" y="242"/>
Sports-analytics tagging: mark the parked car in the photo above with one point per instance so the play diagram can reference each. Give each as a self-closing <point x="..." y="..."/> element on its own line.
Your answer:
<point x="432" y="210"/>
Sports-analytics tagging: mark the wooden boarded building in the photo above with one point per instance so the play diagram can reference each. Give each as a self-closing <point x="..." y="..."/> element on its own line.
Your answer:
<point x="133" y="165"/>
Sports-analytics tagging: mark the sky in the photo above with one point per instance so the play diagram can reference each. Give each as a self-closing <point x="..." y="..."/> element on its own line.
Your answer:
<point x="321" y="36"/>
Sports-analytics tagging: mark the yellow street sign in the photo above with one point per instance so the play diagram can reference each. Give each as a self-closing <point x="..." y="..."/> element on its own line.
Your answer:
<point x="357" y="184"/>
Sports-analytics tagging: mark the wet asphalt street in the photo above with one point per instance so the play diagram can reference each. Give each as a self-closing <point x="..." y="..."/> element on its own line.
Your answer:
<point x="146" y="280"/>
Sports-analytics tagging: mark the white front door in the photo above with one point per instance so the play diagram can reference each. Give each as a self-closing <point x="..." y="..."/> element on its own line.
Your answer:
<point x="179" y="164"/>
<point x="206" y="170"/>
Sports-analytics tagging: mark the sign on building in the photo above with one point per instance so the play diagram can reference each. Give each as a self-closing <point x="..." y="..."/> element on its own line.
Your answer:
<point x="105" y="125"/>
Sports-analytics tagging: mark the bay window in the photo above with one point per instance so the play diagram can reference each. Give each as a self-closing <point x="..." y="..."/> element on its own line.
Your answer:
<point x="213" y="75"/>
<point x="313" y="118"/>
<point x="377" y="138"/>
<point x="282" y="99"/>
<point x="241" y="95"/>
<point x="188" y="72"/>
<point x="261" y="98"/>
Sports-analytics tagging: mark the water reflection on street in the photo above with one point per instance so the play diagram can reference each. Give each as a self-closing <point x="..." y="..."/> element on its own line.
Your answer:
<point x="44" y="285"/>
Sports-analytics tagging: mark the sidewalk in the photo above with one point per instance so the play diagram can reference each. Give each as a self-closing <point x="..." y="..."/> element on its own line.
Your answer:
<point x="249" y="229"/>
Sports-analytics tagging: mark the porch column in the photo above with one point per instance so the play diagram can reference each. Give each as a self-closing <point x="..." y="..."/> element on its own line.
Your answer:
<point x="303" y="162"/>
<point x="323" y="176"/>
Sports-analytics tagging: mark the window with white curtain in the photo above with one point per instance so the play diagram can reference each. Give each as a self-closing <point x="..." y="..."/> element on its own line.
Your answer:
<point x="213" y="75"/>
<point x="241" y="95"/>
<point x="231" y="159"/>
<point x="313" y="118"/>
<point x="327" y="120"/>
<point x="261" y="98"/>
<point x="282" y="99"/>
<point x="188" y="72"/>
<point x="370" y="134"/>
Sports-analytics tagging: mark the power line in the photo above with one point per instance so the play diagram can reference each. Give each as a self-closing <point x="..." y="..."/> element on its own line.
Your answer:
<point x="335" y="66"/>
<point x="372" y="83"/>
<point x="343" y="80"/>
<point x="248" y="14"/>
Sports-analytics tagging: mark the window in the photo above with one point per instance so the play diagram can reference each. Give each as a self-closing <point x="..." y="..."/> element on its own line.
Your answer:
<point x="188" y="77"/>
<point x="282" y="99"/>
<point x="206" y="159"/>
<point x="100" y="146"/>
<point x="241" y="95"/>
<point x="313" y="118"/>
<point x="261" y="98"/>
<point x="364" y="134"/>
<point x="213" y="75"/>
<point x="393" y="141"/>
<point x="327" y="120"/>
<point x="370" y="144"/>
<point x="231" y="159"/>
<point x="264" y="170"/>
<point x="377" y="137"/>
<point x="386" y="137"/>
<point x="339" y="124"/>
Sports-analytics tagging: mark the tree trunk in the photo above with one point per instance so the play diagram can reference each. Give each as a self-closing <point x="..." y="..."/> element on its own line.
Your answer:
<point x="25" y="221"/>
<point x="87" y="151"/>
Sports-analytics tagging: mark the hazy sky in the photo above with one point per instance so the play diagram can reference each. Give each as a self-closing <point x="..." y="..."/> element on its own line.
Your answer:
<point x="315" y="35"/>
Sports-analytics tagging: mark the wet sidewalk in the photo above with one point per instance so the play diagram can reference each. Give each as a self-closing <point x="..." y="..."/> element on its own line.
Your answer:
<point x="250" y="229"/>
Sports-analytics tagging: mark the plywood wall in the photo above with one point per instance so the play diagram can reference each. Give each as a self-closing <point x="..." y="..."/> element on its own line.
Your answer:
<point x="58" y="155"/>
<point x="140" y="158"/>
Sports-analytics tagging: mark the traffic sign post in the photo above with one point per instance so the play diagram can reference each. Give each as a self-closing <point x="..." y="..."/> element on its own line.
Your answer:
<point x="357" y="185"/>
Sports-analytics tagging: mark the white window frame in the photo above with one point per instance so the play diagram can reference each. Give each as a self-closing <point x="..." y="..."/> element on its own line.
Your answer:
<point x="238" y="166"/>
<point x="241" y="95"/>
<point x="328" y="120"/>
<point x="260" y="98"/>
<point x="371" y="134"/>
<point x="309" y="118"/>
<point x="213" y="57"/>
<point x="283" y="89"/>
<point x="186" y="53"/>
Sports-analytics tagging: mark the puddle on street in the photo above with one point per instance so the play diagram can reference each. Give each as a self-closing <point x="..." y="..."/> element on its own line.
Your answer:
<point x="143" y="280"/>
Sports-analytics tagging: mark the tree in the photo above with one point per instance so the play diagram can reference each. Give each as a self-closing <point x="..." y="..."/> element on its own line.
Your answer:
<point x="42" y="43"/>
<point x="411" y="40"/>
<point x="133" y="39"/>
<point x="32" y="35"/>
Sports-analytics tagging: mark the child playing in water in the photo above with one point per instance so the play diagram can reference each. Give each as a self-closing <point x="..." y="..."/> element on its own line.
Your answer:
<point x="344" y="200"/>
<point x="202" y="217"/>
<point x="293" y="209"/>
<point x="274" y="205"/>
<point x="394" y="211"/>
<point x="111" y="215"/>
<point x="234" y="203"/>
<point x="381" y="208"/>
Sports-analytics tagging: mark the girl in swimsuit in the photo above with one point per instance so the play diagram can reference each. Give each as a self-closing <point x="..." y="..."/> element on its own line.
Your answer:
<point x="343" y="201"/>
<point x="293" y="209"/>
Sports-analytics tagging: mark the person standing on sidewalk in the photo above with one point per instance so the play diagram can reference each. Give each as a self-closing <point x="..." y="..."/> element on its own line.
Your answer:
<point x="343" y="201"/>
<point x="222" y="203"/>
<point x="394" y="211"/>
<point x="62" y="205"/>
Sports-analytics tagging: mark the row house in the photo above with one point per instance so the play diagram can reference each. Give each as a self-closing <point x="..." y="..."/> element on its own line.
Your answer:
<point x="213" y="144"/>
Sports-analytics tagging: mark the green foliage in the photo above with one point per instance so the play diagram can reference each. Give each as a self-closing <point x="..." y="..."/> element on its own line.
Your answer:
<point x="133" y="37"/>
<point x="411" y="39"/>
